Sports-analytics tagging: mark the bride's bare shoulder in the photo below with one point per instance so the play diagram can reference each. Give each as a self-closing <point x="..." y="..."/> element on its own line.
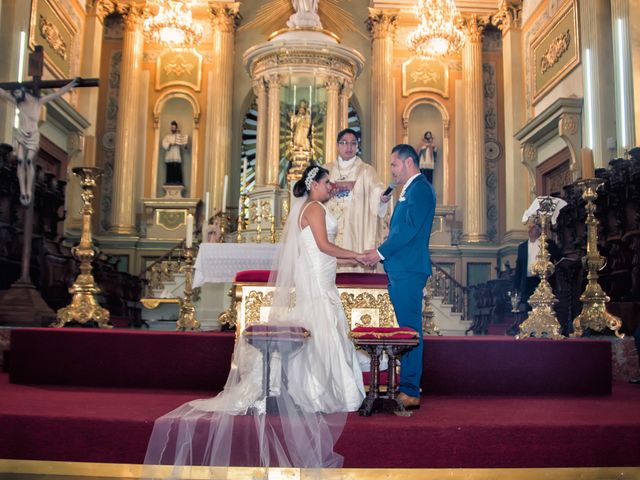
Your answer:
<point x="312" y="212"/>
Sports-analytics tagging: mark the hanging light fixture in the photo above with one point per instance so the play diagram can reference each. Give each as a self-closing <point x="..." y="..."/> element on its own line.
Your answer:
<point x="173" y="26"/>
<point x="437" y="34"/>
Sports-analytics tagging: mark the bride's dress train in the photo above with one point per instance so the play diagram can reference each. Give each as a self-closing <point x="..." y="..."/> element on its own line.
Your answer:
<point x="319" y="383"/>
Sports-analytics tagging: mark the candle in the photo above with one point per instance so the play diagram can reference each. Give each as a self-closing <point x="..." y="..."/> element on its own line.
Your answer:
<point x="189" y="240"/>
<point x="244" y="175"/>
<point x="588" y="169"/>
<point x="206" y="208"/>
<point x="295" y="87"/>
<point x="224" y="193"/>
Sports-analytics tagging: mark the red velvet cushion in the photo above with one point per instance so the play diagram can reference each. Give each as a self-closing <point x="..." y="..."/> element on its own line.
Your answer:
<point x="280" y="332"/>
<point x="353" y="278"/>
<point x="252" y="276"/>
<point x="383" y="333"/>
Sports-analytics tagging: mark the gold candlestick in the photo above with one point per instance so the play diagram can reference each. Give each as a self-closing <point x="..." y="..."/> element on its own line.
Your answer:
<point x="259" y="227"/>
<point x="187" y="319"/>
<point x="272" y="230"/>
<point x="542" y="320"/>
<point x="239" y="237"/>
<point x="594" y="314"/>
<point x="224" y="226"/>
<point x="84" y="307"/>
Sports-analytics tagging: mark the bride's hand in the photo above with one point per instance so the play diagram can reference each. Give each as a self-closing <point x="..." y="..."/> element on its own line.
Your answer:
<point x="361" y="258"/>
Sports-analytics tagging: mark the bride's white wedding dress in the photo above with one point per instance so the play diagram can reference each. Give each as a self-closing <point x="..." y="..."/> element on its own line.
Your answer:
<point x="323" y="379"/>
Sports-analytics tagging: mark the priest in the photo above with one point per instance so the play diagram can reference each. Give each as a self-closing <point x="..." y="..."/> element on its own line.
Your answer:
<point x="358" y="203"/>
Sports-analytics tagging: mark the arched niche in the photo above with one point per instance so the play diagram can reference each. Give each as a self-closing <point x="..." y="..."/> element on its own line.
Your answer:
<point x="428" y="114"/>
<point x="183" y="107"/>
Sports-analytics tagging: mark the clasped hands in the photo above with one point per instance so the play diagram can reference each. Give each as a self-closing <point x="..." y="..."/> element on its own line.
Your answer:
<point x="368" y="258"/>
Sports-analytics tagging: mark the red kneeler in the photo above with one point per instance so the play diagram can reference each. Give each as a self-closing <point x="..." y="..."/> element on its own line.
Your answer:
<point x="375" y="340"/>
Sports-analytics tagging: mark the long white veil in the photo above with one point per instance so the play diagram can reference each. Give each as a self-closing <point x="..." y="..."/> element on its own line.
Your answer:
<point x="236" y="428"/>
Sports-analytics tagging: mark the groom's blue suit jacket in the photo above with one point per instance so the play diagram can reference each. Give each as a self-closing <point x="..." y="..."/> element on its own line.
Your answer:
<point x="406" y="249"/>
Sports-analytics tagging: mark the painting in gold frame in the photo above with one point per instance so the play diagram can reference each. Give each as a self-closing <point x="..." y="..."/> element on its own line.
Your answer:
<point x="556" y="50"/>
<point x="50" y="27"/>
<point x="421" y="75"/>
<point x="179" y="67"/>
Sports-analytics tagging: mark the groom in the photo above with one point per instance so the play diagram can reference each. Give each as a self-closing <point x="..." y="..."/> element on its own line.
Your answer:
<point x="406" y="258"/>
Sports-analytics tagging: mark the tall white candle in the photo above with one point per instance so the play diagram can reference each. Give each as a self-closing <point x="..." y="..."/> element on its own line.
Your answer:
<point x="224" y="193"/>
<point x="189" y="240"/>
<point x="206" y="209"/>
<point x="244" y="175"/>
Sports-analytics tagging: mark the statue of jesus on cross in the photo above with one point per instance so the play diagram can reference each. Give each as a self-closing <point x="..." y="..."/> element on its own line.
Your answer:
<point x="26" y="97"/>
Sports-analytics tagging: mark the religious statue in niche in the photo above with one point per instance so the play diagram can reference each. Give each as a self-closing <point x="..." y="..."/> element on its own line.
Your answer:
<point x="301" y="127"/>
<point x="300" y="146"/>
<point x="427" y="152"/>
<point x="173" y="145"/>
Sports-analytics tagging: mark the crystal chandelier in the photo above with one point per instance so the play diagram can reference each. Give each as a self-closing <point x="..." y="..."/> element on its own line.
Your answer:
<point x="173" y="26"/>
<point x="437" y="34"/>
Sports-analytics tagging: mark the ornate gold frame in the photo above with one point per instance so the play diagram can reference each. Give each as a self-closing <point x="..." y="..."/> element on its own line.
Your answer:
<point x="161" y="212"/>
<point x="406" y="91"/>
<point x="363" y="305"/>
<point x="197" y="86"/>
<point x="549" y="30"/>
<point x="71" y="30"/>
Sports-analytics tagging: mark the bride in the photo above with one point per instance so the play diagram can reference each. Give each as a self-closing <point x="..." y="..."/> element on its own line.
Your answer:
<point x="310" y="394"/>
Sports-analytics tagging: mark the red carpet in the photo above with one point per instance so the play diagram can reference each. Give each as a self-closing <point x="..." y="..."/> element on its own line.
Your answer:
<point x="101" y="424"/>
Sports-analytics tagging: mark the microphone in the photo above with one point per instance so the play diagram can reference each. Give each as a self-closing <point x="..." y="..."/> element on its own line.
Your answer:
<point x="389" y="189"/>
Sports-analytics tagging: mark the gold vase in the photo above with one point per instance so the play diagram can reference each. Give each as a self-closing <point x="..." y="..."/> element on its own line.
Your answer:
<point x="84" y="307"/>
<point x="594" y="313"/>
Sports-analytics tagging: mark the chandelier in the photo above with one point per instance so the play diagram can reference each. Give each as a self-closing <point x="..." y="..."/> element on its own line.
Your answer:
<point x="173" y="26"/>
<point x="437" y="34"/>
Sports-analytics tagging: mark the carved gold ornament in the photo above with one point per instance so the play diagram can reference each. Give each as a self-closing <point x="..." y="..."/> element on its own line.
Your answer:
<point x="53" y="37"/>
<point x="179" y="67"/>
<point x="559" y="45"/>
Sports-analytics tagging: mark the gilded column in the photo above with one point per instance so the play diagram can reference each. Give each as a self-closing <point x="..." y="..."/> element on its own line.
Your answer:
<point x="87" y="106"/>
<point x="509" y="21"/>
<point x="382" y="25"/>
<point x="599" y="111"/>
<point x="332" y="85"/>
<point x="345" y="95"/>
<point x="274" y="83"/>
<point x="224" y="21"/>
<point x="90" y="61"/>
<point x="123" y="213"/>
<point x="260" y="91"/>
<point x="625" y="118"/>
<point x="474" y="221"/>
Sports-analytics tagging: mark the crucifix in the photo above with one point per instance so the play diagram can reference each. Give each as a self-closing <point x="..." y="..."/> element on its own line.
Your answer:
<point x="25" y="301"/>
<point x="26" y="97"/>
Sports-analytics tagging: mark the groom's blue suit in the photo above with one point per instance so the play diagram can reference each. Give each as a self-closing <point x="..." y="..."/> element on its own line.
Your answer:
<point x="408" y="265"/>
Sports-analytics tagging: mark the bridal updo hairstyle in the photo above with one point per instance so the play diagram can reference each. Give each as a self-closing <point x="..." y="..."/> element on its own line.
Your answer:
<point x="311" y="173"/>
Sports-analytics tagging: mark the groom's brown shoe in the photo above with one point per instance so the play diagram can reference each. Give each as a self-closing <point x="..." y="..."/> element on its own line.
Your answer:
<point x="408" y="402"/>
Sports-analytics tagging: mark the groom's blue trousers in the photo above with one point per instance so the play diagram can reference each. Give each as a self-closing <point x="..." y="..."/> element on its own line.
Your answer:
<point x="405" y="291"/>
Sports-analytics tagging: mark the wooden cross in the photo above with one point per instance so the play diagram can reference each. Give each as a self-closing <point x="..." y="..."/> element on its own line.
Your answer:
<point x="36" y="67"/>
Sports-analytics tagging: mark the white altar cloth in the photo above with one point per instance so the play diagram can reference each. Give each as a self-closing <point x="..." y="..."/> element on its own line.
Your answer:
<point x="219" y="262"/>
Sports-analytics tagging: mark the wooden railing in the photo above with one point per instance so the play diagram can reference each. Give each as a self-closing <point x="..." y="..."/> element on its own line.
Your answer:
<point x="443" y="284"/>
